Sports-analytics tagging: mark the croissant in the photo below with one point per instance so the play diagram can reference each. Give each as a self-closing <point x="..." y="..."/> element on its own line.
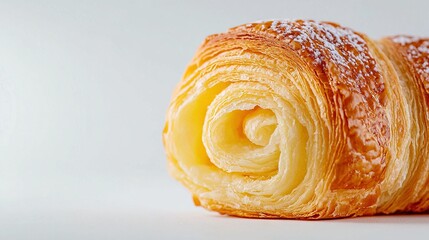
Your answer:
<point x="303" y="119"/>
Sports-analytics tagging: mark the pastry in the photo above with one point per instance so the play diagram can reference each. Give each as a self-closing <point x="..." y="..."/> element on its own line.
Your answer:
<point x="303" y="119"/>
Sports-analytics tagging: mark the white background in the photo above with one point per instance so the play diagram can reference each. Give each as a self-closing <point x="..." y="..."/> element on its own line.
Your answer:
<point x="84" y="86"/>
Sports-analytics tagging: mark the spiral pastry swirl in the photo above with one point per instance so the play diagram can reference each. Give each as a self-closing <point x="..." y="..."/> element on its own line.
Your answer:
<point x="301" y="119"/>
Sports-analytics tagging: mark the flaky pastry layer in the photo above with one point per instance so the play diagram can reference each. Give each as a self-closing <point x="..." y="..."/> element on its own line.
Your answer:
<point x="303" y="119"/>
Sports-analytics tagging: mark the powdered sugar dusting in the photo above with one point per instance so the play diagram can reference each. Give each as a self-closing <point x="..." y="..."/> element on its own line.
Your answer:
<point x="327" y="45"/>
<point x="417" y="52"/>
<point x="341" y="46"/>
<point x="404" y="39"/>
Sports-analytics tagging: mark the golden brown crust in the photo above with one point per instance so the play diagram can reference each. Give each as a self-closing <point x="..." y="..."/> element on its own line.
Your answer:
<point x="410" y="57"/>
<point x="297" y="119"/>
<point x="355" y="90"/>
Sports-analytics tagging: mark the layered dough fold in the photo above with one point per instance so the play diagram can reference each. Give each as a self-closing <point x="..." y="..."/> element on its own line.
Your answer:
<point x="303" y="119"/>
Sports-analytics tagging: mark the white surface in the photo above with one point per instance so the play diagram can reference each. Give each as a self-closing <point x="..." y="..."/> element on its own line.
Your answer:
<point x="84" y="87"/>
